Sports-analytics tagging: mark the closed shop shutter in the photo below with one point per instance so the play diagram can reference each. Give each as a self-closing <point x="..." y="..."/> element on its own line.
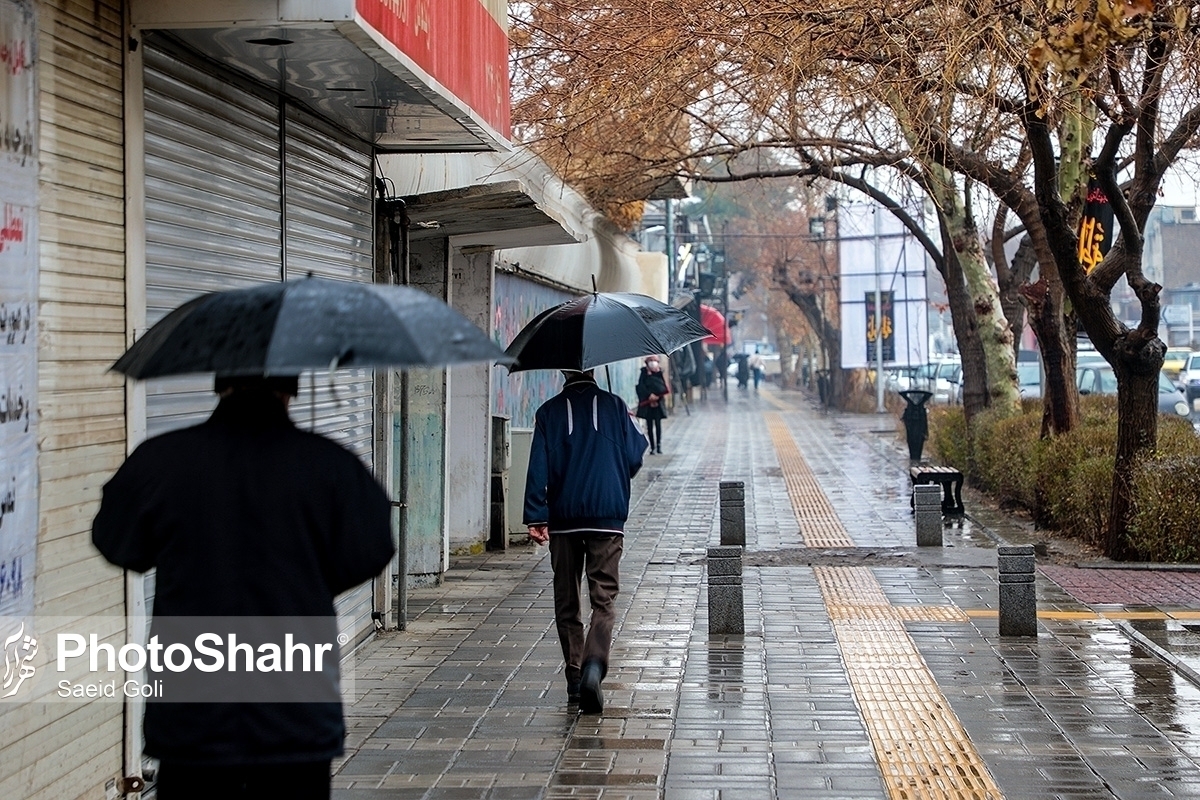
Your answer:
<point x="212" y="206"/>
<point x="227" y="207"/>
<point x="330" y="234"/>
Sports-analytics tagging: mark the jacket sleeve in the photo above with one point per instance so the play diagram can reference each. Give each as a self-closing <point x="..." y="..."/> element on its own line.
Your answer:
<point x="635" y="441"/>
<point x="362" y="544"/>
<point x="537" y="477"/>
<point x="123" y="530"/>
<point x="643" y="389"/>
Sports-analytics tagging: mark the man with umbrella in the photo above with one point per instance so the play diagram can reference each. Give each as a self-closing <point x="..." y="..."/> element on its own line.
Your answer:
<point x="255" y="525"/>
<point x="585" y="450"/>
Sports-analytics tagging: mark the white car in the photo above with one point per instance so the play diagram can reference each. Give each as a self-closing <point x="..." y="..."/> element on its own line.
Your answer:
<point x="1189" y="379"/>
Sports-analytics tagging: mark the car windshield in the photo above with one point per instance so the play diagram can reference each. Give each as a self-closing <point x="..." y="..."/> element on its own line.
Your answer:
<point x="1029" y="373"/>
<point x="1193" y="362"/>
<point x="1165" y="386"/>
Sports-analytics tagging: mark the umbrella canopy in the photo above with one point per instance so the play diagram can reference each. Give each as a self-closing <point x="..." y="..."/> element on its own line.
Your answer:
<point x="312" y="323"/>
<point x="600" y="328"/>
<point x="718" y="329"/>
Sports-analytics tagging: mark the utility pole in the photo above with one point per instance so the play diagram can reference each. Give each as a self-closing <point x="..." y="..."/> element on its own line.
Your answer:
<point x="879" y="409"/>
<point x="669" y="230"/>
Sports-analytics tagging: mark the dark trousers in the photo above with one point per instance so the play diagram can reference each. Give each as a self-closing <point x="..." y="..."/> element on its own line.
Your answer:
<point x="571" y="554"/>
<point x="654" y="432"/>
<point x="308" y="780"/>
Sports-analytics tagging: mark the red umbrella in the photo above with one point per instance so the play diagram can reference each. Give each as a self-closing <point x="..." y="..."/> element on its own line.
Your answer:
<point x="715" y="322"/>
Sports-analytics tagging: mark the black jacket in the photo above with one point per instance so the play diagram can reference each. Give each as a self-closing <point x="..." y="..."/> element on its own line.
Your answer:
<point x="245" y="516"/>
<point x="652" y="383"/>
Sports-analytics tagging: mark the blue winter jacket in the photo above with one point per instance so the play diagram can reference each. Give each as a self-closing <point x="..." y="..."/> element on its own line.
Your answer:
<point x="585" y="450"/>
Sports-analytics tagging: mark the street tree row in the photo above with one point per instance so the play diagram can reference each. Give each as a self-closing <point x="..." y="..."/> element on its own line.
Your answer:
<point x="1000" y="111"/>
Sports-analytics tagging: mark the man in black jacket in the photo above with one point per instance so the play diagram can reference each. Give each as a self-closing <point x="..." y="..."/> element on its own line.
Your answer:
<point x="244" y="516"/>
<point x="585" y="451"/>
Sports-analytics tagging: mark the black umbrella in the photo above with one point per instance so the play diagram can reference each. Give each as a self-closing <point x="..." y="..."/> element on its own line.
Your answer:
<point x="312" y="323"/>
<point x="600" y="328"/>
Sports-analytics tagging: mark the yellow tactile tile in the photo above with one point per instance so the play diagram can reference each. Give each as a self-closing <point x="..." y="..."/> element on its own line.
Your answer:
<point x="819" y="524"/>
<point x="922" y="749"/>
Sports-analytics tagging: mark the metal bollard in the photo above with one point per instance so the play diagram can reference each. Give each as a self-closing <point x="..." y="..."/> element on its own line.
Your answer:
<point x="927" y="513"/>
<point x="1018" y="598"/>
<point x="733" y="513"/>
<point x="725" y="608"/>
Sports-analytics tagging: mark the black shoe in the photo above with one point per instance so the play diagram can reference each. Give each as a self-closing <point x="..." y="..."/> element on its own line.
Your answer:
<point x="572" y="694"/>
<point x="591" y="700"/>
<point x="659" y="451"/>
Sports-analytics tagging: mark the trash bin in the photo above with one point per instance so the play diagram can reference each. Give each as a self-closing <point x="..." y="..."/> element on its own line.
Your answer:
<point x="916" y="420"/>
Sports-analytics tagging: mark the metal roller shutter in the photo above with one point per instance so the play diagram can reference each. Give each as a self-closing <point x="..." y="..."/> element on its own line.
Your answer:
<point x="226" y="207"/>
<point x="330" y="234"/>
<point x="212" y="207"/>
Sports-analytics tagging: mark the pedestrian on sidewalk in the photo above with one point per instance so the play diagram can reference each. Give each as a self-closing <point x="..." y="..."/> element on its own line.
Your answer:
<point x="585" y="450"/>
<point x="244" y="516"/>
<point x="652" y="391"/>
<point x="756" y="368"/>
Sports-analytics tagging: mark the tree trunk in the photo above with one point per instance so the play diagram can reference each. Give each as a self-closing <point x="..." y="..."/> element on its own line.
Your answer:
<point x="962" y="317"/>
<point x="1137" y="431"/>
<point x="1023" y="264"/>
<point x="995" y="337"/>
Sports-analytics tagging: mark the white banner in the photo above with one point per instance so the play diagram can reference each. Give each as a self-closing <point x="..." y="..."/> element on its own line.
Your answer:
<point x="18" y="308"/>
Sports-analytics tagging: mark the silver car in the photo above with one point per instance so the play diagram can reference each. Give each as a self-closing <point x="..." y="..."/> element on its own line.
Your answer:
<point x="1100" y="379"/>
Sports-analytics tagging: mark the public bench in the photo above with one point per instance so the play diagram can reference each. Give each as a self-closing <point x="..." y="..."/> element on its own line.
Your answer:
<point x="951" y="481"/>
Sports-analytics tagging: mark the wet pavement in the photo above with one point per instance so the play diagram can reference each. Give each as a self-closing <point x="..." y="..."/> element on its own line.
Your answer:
<point x="869" y="668"/>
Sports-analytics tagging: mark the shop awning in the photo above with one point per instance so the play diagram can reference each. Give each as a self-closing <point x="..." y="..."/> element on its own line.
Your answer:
<point x="493" y="215"/>
<point x="417" y="77"/>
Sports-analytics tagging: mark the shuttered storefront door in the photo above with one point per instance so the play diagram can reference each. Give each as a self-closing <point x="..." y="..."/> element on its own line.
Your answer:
<point x="228" y="207"/>
<point x="330" y="234"/>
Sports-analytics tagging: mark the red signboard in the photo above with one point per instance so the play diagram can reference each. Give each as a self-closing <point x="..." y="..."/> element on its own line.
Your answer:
<point x="457" y="42"/>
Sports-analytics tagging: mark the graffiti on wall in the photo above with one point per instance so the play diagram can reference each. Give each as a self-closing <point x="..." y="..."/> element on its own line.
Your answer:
<point x="515" y="302"/>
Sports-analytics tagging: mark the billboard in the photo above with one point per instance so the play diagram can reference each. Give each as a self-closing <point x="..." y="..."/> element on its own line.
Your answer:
<point x="876" y="253"/>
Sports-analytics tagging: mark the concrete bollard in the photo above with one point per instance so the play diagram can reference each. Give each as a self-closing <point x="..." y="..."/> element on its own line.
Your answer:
<point x="1018" y="598"/>
<point x="927" y="513"/>
<point x="725" y="608"/>
<point x="733" y="513"/>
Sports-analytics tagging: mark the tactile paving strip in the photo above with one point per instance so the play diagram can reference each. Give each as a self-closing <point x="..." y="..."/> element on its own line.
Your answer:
<point x="819" y="524"/>
<point x="922" y="749"/>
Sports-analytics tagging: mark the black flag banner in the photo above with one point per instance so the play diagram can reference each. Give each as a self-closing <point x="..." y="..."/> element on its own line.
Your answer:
<point x="1095" y="227"/>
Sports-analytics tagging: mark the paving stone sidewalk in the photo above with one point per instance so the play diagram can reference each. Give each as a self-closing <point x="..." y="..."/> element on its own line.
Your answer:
<point x="869" y="670"/>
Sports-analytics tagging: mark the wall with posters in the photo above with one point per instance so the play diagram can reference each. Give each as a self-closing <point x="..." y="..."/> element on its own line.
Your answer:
<point x="62" y="270"/>
<point x="18" y="313"/>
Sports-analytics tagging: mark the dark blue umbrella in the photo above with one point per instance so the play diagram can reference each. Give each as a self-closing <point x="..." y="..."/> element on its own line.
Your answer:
<point x="600" y="328"/>
<point x="311" y="323"/>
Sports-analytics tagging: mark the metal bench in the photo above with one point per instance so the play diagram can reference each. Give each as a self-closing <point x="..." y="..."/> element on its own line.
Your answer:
<point x="951" y="481"/>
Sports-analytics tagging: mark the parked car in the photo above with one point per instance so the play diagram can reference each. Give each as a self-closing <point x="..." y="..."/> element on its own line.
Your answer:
<point x="1029" y="379"/>
<point x="1102" y="380"/>
<point x="1189" y="379"/>
<point x="1175" y="360"/>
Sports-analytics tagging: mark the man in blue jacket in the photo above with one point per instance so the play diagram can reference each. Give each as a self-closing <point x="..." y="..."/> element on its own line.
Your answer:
<point x="585" y="450"/>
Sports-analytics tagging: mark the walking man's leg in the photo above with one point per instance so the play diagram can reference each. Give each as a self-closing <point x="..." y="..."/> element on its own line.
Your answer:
<point x="603" y="573"/>
<point x="567" y="558"/>
<point x="650" y="434"/>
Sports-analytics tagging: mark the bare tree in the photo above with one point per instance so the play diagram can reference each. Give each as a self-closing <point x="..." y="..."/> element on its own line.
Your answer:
<point x="1026" y="99"/>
